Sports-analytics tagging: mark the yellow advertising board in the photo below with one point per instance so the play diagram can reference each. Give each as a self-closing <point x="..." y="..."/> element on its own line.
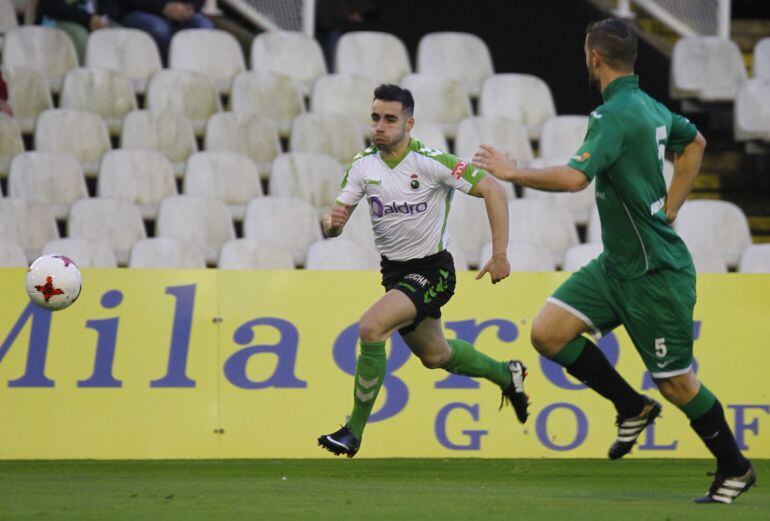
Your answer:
<point x="257" y="364"/>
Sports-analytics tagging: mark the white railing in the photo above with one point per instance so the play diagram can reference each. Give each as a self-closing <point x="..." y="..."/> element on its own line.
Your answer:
<point x="706" y="17"/>
<point x="292" y="16"/>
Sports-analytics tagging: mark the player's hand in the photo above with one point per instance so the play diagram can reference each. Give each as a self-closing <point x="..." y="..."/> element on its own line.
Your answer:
<point x="497" y="267"/>
<point x="495" y="162"/>
<point x="335" y="220"/>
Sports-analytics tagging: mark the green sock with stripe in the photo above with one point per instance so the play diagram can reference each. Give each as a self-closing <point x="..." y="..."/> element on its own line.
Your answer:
<point x="467" y="361"/>
<point x="370" y="371"/>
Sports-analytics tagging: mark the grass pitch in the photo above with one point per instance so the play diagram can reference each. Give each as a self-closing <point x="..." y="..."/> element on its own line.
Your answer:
<point x="400" y="489"/>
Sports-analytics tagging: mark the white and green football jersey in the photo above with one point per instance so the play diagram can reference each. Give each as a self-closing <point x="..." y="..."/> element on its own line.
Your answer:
<point x="408" y="200"/>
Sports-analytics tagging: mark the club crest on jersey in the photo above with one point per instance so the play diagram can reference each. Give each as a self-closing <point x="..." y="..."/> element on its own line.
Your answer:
<point x="459" y="168"/>
<point x="581" y="157"/>
<point x="380" y="209"/>
<point x="414" y="183"/>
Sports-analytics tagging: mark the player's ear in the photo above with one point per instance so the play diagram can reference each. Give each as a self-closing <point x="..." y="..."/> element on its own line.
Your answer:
<point x="409" y="124"/>
<point x="596" y="58"/>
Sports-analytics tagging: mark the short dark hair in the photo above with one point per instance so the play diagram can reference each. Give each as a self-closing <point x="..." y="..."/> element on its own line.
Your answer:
<point x="615" y="41"/>
<point x="390" y="92"/>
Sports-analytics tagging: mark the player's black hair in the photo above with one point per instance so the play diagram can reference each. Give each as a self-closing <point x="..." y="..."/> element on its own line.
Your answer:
<point x="390" y="92"/>
<point x="615" y="41"/>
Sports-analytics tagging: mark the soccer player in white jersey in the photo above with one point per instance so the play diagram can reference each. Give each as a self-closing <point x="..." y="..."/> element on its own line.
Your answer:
<point x="408" y="189"/>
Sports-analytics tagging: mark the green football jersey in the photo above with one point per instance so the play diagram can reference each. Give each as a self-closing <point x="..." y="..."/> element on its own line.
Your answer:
<point x="624" y="150"/>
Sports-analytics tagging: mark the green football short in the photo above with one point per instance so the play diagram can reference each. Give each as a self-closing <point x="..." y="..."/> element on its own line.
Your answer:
<point x="656" y="310"/>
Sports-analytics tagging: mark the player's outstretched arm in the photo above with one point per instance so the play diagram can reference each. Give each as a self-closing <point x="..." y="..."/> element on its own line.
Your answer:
<point x="551" y="179"/>
<point x="496" y="203"/>
<point x="686" y="167"/>
<point x="334" y="221"/>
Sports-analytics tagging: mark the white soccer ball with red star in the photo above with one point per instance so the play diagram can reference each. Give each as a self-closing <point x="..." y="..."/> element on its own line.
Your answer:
<point x="54" y="282"/>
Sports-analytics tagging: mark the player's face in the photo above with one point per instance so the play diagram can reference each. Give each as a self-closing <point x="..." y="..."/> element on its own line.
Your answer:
<point x="390" y="125"/>
<point x="593" y="77"/>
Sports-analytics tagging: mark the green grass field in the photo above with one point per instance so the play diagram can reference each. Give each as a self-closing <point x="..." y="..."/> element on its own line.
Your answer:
<point x="371" y="489"/>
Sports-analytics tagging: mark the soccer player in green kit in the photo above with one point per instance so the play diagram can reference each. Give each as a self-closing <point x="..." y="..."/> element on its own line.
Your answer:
<point x="645" y="278"/>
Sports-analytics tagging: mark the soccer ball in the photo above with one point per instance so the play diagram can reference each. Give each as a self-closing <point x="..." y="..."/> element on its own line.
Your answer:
<point x="53" y="282"/>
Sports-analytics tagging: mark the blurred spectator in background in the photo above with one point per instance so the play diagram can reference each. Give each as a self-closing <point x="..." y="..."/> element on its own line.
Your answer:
<point x="334" y="17"/>
<point x="162" y="18"/>
<point x="79" y="17"/>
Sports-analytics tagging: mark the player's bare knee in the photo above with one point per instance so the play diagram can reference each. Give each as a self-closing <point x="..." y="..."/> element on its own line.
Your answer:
<point x="434" y="361"/>
<point x="545" y="341"/>
<point x="370" y="329"/>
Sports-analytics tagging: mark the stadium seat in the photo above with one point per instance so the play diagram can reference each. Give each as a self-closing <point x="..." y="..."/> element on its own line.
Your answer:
<point x="250" y="135"/>
<point x="267" y="94"/>
<point x="430" y="134"/>
<point x="85" y="253"/>
<point x="520" y="97"/>
<point x="458" y="256"/>
<point x="288" y="222"/>
<point x="522" y="256"/>
<point x="461" y="56"/>
<point x="252" y="254"/>
<point x="47" y="177"/>
<point x="28" y="94"/>
<point x="579" y="204"/>
<point x="381" y="57"/>
<point x="707" y="258"/>
<point x="168" y="133"/>
<point x="8" y="19"/>
<point x="104" y="92"/>
<point x="502" y="133"/>
<point x="580" y="255"/>
<point x="438" y="99"/>
<point x="709" y="68"/>
<point x="292" y="53"/>
<point x="310" y="133"/>
<point x="28" y="223"/>
<point x="80" y="133"/>
<point x="542" y="222"/>
<point x="562" y="136"/>
<point x="720" y="224"/>
<point x="340" y="254"/>
<point x="45" y="49"/>
<point x="166" y="253"/>
<point x="203" y="221"/>
<point x="12" y="255"/>
<point x="752" y="111"/>
<point x="11" y="143"/>
<point x="232" y="178"/>
<point x="115" y="223"/>
<point x="468" y="227"/>
<point x="185" y="93"/>
<point x="142" y="177"/>
<point x="129" y="51"/>
<point x="345" y="94"/>
<point x="359" y="228"/>
<point x="761" y="59"/>
<point x="212" y="52"/>
<point x="755" y="259"/>
<point x="314" y="178"/>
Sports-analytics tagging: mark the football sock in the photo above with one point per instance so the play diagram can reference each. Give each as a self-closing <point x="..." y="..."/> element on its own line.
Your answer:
<point x="370" y="371"/>
<point x="707" y="419"/>
<point x="467" y="361"/>
<point x="583" y="360"/>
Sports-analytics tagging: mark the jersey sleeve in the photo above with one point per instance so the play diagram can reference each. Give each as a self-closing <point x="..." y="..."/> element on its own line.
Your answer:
<point x="682" y="133"/>
<point x="456" y="173"/>
<point x="600" y="148"/>
<point x="352" y="187"/>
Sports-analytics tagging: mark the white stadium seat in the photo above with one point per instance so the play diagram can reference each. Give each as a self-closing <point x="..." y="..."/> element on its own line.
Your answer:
<point x="709" y="68"/>
<point x="8" y="19"/>
<point x="522" y="256"/>
<point x="315" y="178"/>
<point x="185" y="93"/>
<point x="80" y="133"/>
<point x="359" y="227"/>
<point x="458" y="256"/>
<point x="12" y="254"/>
<point x="28" y="94"/>
<point x="104" y="92"/>
<point x="340" y="254"/>
<point x="579" y="204"/>
<point x="163" y="131"/>
<point x="253" y="254"/>
<point x="141" y="177"/>
<point x="203" y="221"/>
<point x="85" y="253"/>
<point x="288" y="222"/>
<point x="212" y="52"/>
<point x="232" y="178"/>
<point x="752" y="111"/>
<point x="707" y="258"/>
<point x="504" y="134"/>
<point x="28" y="223"/>
<point x="130" y="51"/>
<point x="438" y="99"/>
<point x="755" y="259"/>
<point x="267" y="94"/>
<point x="381" y="57"/>
<point x="429" y="134"/>
<point x="468" y="226"/>
<point x="310" y="132"/>
<point x="115" y="223"/>
<point x="580" y="255"/>
<point x="520" y="97"/>
<point x="47" y="177"/>
<point x="46" y="49"/>
<point x="719" y="224"/>
<point x="11" y="143"/>
<point x="542" y="222"/>
<point x="345" y="94"/>
<point x="460" y="56"/>
<point x="291" y="53"/>
<point x="166" y="253"/>
<point x="562" y="136"/>
<point x="761" y="59"/>
<point x="246" y="134"/>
